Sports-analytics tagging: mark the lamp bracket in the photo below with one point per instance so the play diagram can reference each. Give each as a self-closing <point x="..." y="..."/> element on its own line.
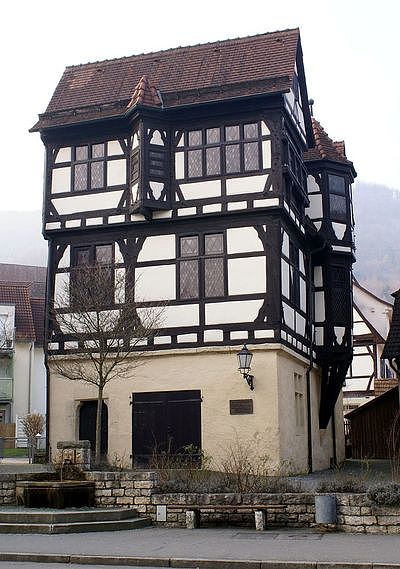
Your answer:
<point x="249" y="378"/>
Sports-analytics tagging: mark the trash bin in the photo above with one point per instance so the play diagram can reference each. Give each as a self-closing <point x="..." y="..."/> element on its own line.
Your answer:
<point x="325" y="509"/>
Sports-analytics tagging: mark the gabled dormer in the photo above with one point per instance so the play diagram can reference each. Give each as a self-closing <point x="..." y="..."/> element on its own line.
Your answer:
<point x="150" y="151"/>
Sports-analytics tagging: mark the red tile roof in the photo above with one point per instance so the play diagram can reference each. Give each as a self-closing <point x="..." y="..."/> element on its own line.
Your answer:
<point x="37" y="306"/>
<point x="17" y="294"/>
<point x="325" y="148"/>
<point x="144" y="94"/>
<point x="221" y="70"/>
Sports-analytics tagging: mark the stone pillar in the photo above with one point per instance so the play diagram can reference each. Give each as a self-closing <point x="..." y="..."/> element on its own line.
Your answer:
<point x="192" y="519"/>
<point x="260" y="519"/>
<point x="74" y="452"/>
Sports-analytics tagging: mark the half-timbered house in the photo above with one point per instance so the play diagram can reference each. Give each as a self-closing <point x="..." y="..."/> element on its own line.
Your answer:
<point x="368" y="375"/>
<point x="198" y="173"/>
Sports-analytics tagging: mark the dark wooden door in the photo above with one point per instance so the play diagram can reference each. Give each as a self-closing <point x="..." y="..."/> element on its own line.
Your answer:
<point x="165" y="423"/>
<point x="87" y="425"/>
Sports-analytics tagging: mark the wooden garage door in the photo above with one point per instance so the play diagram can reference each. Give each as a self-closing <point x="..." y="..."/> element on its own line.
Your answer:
<point x="165" y="422"/>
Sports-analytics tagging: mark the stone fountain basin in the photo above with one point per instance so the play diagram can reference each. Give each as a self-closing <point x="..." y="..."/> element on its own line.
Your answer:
<point x="49" y="494"/>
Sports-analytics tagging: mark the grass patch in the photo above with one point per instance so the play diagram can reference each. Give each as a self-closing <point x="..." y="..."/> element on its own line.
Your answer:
<point x="15" y="452"/>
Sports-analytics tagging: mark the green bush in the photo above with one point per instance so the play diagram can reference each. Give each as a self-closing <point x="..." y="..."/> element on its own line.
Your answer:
<point x="385" y="494"/>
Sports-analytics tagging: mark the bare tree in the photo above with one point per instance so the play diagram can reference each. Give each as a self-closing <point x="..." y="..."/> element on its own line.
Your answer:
<point x="97" y="311"/>
<point x="6" y="332"/>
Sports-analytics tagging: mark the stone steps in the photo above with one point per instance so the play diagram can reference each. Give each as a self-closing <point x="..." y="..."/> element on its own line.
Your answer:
<point x="69" y="521"/>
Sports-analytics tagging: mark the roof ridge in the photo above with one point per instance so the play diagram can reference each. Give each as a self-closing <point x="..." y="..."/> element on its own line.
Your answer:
<point x="228" y="41"/>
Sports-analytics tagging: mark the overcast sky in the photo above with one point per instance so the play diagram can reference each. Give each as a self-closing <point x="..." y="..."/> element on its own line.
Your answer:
<point x="351" y="52"/>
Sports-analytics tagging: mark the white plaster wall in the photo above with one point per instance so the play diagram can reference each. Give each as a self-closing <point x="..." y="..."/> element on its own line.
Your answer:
<point x="315" y="210"/>
<point x="319" y="299"/>
<point x="243" y="240"/>
<point x="38" y="386"/>
<point x="63" y="155"/>
<point x="179" y="165"/>
<point x="157" y="248"/>
<point x="246" y="184"/>
<point x="246" y="275"/>
<point x="285" y="278"/>
<point x="180" y="316"/>
<point x="234" y="311"/>
<point x="116" y="172"/>
<point x="266" y="154"/>
<point x="201" y="190"/>
<point x="61" y="180"/>
<point x="312" y="185"/>
<point x="88" y="202"/>
<point x="21" y="379"/>
<point x="155" y="283"/>
<point x="114" y="148"/>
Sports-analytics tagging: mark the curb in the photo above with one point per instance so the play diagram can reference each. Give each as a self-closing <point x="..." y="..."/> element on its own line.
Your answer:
<point x="180" y="563"/>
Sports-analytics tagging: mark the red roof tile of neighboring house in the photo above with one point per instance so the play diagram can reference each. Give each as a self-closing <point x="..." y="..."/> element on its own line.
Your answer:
<point x="36" y="276"/>
<point x="38" y="305"/>
<point x="325" y="147"/>
<point x="17" y="294"/>
<point x="185" y="75"/>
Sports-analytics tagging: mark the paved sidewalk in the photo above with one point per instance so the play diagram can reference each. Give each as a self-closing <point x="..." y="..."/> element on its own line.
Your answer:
<point x="206" y="548"/>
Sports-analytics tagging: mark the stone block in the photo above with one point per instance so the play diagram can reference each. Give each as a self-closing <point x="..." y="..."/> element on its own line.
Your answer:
<point x="350" y="510"/>
<point x="389" y="520"/>
<point x="342" y="499"/>
<point x="142" y="500"/>
<point x="118" y="492"/>
<point x="107" y="501"/>
<point x="124" y="501"/>
<point x="296" y="509"/>
<point x="358" y="500"/>
<point x="360" y="520"/>
<point x="143" y="484"/>
<point x="393" y="529"/>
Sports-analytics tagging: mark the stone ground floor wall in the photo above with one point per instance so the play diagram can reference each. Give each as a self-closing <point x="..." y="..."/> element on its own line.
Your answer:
<point x="355" y="512"/>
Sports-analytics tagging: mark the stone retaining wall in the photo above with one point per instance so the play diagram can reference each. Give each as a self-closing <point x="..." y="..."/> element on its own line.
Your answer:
<point x="355" y="513"/>
<point x="7" y="489"/>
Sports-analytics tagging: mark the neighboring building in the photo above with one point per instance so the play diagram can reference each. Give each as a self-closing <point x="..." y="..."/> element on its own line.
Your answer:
<point x="368" y="373"/>
<point x="375" y="426"/>
<point x="22" y="370"/>
<point x="200" y="171"/>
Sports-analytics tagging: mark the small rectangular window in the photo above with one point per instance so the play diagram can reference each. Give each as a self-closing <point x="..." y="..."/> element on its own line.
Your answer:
<point x="232" y="132"/>
<point x="195" y="138"/>
<point x="232" y="158"/>
<point x="195" y="165"/>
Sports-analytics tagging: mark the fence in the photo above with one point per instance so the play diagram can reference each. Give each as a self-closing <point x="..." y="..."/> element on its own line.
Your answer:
<point x="20" y="448"/>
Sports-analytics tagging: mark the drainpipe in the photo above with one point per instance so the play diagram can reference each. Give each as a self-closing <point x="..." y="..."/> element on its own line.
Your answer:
<point x="45" y="348"/>
<point x="30" y="376"/>
<point x="310" y="365"/>
<point x="334" y="438"/>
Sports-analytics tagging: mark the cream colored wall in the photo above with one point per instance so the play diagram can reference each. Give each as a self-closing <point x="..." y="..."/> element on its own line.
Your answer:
<point x="293" y="439"/>
<point x="21" y="358"/>
<point x="213" y="372"/>
<point x="270" y="430"/>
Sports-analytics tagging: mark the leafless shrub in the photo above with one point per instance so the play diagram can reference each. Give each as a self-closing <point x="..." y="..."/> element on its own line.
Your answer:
<point x="33" y="424"/>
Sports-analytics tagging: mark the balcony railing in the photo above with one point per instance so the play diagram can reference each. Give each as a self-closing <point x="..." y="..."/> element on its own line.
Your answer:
<point x="6" y="389"/>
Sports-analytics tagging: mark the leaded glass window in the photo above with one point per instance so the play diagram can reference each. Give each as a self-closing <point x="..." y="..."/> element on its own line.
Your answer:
<point x="97" y="175"/>
<point x="213" y="160"/>
<point x="213" y="135"/>
<point x="80" y="177"/>
<point x="195" y="166"/>
<point x="89" y="167"/>
<point x="251" y="130"/>
<point x="214" y="277"/>
<point x="232" y="158"/>
<point x="223" y="150"/>
<point x="91" y="256"/>
<point x="337" y="198"/>
<point x="202" y="266"/>
<point x="251" y="156"/>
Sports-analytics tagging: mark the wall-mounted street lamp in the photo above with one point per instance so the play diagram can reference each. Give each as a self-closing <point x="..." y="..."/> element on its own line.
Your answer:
<point x="244" y="359"/>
